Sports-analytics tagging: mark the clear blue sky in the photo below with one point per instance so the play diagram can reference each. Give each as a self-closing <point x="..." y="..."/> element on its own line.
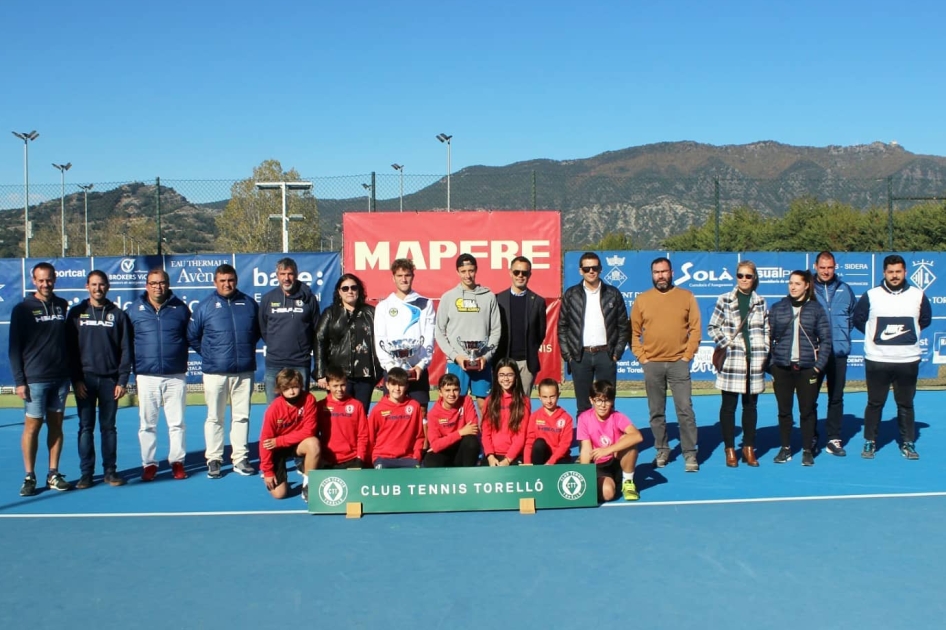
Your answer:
<point x="177" y="89"/>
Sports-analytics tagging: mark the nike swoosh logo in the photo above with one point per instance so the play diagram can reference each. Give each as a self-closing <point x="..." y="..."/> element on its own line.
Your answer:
<point x="887" y="336"/>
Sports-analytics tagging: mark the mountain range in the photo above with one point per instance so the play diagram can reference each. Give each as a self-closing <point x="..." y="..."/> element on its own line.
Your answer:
<point x="649" y="192"/>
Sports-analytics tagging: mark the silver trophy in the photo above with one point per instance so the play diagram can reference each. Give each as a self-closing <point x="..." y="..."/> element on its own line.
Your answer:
<point x="474" y="350"/>
<point x="402" y="350"/>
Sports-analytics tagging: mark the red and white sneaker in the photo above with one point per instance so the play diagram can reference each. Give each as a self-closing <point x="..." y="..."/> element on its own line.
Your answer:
<point x="149" y="472"/>
<point x="177" y="470"/>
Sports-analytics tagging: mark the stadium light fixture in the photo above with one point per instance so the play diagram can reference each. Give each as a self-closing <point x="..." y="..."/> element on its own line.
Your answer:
<point x="284" y="217"/>
<point x="26" y="137"/>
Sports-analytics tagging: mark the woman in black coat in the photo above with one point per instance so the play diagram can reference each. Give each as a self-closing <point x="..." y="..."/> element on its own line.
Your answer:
<point x="800" y="343"/>
<point x="345" y="337"/>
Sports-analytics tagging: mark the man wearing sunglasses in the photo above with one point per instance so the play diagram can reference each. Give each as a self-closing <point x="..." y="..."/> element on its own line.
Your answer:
<point x="522" y="313"/>
<point x="665" y="336"/>
<point x="592" y="330"/>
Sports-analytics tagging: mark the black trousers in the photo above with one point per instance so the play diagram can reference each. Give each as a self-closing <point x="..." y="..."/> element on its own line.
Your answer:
<point x="789" y="383"/>
<point x="594" y="366"/>
<point x="727" y="418"/>
<point x="463" y="453"/>
<point x="836" y="374"/>
<point x="879" y="377"/>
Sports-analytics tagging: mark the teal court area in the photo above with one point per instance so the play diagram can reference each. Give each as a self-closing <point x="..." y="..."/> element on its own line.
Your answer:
<point x="847" y="543"/>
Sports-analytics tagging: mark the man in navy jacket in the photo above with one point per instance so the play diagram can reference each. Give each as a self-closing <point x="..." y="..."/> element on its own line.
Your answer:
<point x="99" y="339"/>
<point x="287" y="318"/>
<point x="159" y="320"/>
<point x="224" y="329"/>
<point x="837" y="298"/>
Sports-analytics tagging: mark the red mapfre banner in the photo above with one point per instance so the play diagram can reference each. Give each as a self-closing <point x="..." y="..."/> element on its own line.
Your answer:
<point x="433" y="240"/>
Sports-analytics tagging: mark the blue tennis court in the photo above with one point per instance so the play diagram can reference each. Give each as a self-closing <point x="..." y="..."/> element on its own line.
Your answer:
<point x="846" y="543"/>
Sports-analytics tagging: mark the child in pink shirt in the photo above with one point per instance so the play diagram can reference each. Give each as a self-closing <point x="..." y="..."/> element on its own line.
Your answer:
<point x="609" y="439"/>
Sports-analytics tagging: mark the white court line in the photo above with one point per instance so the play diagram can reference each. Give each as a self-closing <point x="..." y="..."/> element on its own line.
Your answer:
<point x="836" y="497"/>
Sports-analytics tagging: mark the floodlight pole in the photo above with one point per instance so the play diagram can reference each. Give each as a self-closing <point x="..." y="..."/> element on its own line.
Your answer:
<point x="26" y="137"/>
<point x="62" y="200"/>
<point x="445" y="138"/>
<point x="85" y="194"/>
<point x="400" y="169"/>
<point x="284" y="186"/>
<point x="367" y="188"/>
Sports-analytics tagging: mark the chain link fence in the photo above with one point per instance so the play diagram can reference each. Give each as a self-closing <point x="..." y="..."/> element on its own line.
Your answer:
<point x="185" y="216"/>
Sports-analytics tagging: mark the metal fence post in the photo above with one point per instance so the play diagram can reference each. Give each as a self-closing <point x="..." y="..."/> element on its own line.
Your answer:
<point x="890" y="212"/>
<point x="533" y="190"/>
<point x="157" y="188"/>
<point x="716" y="193"/>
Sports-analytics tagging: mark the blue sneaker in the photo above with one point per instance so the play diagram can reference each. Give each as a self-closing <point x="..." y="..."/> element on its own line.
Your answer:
<point x="869" y="448"/>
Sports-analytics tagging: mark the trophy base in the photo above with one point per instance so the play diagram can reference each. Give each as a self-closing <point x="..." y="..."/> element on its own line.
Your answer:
<point x="471" y="365"/>
<point x="411" y="375"/>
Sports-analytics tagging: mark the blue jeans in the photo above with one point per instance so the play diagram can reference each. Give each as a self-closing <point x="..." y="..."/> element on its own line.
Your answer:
<point x="269" y="379"/>
<point x="100" y="390"/>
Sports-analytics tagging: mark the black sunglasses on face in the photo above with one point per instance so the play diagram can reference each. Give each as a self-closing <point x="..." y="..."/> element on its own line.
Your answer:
<point x="745" y="276"/>
<point x="348" y="287"/>
<point x="521" y="272"/>
<point x="591" y="268"/>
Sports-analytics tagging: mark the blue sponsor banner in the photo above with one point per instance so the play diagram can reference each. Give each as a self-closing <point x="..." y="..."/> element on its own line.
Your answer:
<point x="709" y="275"/>
<point x="191" y="280"/>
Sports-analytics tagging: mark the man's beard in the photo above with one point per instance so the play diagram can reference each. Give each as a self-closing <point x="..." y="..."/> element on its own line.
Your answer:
<point x="669" y="286"/>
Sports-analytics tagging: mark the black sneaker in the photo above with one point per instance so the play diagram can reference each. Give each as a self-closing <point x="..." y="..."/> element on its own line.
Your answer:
<point x="834" y="447"/>
<point x="213" y="469"/>
<point x="85" y="481"/>
<point x="784" y="455"/>
<point x="28" y="488"/>
<point x="869" y="448"/>
<point x="807" y="459"/>
<point x="57" y="481"/>
<point x="300" y="464"/>
<point x="305" y="494"/>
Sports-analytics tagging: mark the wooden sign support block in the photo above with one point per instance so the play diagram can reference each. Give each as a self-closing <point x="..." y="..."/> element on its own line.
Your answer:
<point x="527" y="506"/>
<point x="353" y="510"/>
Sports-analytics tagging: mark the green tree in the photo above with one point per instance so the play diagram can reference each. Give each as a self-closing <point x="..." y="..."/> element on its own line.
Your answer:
<point x="245" y="226"/>
<point x="614" y="241"/>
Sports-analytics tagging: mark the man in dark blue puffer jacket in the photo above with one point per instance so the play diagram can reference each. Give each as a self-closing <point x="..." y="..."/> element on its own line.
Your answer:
<point x="159" y="321"/>
<point x="223" y="330"/>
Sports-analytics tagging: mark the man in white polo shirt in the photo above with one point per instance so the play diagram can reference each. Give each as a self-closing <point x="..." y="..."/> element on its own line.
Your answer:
<point x="592" y="329"/>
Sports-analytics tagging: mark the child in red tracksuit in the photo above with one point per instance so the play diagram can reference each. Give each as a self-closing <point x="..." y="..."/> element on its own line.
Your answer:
<point x="452" y="428"/>
<point x="343" y="427"/>
<point x="551" y="429"/>
<point x="505" y="416"/>
<point x="288" y="431"/>
<point x="396" y="426"/>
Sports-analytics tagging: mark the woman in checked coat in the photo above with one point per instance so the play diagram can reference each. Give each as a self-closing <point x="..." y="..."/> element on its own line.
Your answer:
<point x="747" y="348"/>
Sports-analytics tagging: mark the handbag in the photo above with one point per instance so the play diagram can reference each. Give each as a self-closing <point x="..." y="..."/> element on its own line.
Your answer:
<point x="720" y="352"/>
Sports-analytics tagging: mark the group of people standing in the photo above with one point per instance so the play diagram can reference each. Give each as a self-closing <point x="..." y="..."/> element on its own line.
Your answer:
<point x="805" y="340"/>
<point x="492" y="344"/>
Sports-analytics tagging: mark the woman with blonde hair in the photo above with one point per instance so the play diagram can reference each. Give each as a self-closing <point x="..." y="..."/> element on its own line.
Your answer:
<point x="740" y="324"/>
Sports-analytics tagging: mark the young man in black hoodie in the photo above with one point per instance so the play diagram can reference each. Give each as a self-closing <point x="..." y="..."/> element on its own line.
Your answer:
<point x="99" y="341"/>
<point x="41" y="373"/>
<point x="287" y="318"/>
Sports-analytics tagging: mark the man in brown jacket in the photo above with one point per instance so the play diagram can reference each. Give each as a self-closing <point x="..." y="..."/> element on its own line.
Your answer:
<point x="665" y="335"/>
